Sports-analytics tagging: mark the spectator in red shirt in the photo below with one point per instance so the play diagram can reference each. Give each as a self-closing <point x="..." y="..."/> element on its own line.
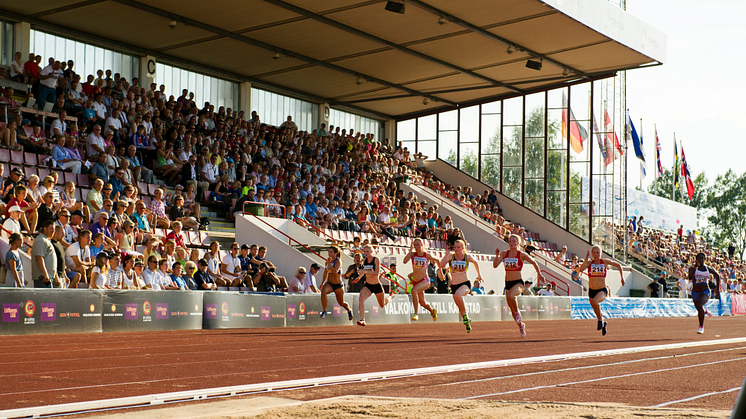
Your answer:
<point x="176" y="234"/>
<point x="31" y="68"/>
<point x="30" y="215"/>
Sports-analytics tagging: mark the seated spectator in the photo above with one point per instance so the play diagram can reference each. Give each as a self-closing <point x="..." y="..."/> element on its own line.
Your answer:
<point x="139" y="172"/>
<point x="176" y="235"/>
<point x="95" y="143"/>
<point x="478" y="288"/>
<point x="115" y="277"/>
<point x="48" y="210"/>
<point x="182" y="214"/>
<point x="100" y="170"/>
<point x="561" y="256"/>
<point x="528" y="289"/>
<point x="165" y="276"/>
<point x="100" y="272"/>
<point x="189" y="269"/>
<point x="232" y="270"/>
<point x="78" y="255"/>
<point x="158" y="210"/>
<point x="210" y="173"/>
<point x="9" y="136"/>
<point x="94" y="199"/>
<point x="202" y="278"/>
<point x="296" y="285"/>
<point x="546" y="291"/>
<point x="63" y="159"/>
<point x="30" y="214"/>
<point x="130" y="277"/>
<point x="177" y="278"/>
<point x="11" y="224"/>
<point x="266" y="280"/>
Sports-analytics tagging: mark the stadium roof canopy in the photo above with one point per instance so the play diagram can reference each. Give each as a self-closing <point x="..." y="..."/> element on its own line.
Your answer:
<point x="356" y="54"/>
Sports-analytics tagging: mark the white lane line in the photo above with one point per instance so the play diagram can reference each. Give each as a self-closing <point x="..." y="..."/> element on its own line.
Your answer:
<point x="697" y="397"/>
<point x="570" y="383"/>
<point x="631" y="361"/>
<point x="329" y="380"/>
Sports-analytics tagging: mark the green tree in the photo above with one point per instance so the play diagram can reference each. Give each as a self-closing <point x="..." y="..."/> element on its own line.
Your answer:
<point x="662" y="188"/>
<point x="726" y="200"/>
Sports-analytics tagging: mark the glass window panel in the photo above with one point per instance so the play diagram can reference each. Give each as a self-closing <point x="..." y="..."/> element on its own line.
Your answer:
<point x="578" y="182"/>
<point x="469" y="124"/>
<point x="447" y="143"/>
<point x="535" y="115"/>
<point x="59" y="49"/>
<point x="556" y="139"/>
<point x="447" y="121"/>
<point x="426" y="128"/>
<point x="557" y="170"/>
<point x="556" y="207"/>
<point x="512" y="183"/>
<point x="116" y="66"/>
<point x="513" y="145"/>
<point x="579" y="220"/>
<point x="490" y="134"/>
<point x="427" y="148"/>
<point x="513" y="111"/>
<point x="554" y="98"/>
<point x="534" y="198"/>
<point x="491" y="170"/>
<point x="492" y="107"/>
<point x="469" y="159"/>
<point x="534" y="158"/>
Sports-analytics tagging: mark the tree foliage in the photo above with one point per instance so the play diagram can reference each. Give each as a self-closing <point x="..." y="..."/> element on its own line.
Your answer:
<point x="726" y="201"/>
<point x="662" y="187"/>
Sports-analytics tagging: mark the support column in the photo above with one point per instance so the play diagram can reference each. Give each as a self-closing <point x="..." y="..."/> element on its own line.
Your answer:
<point x="324" y="111"/>
<point x="389" y="132"/>
<point x="22" y="34"/>
<point x="244" y="99"/>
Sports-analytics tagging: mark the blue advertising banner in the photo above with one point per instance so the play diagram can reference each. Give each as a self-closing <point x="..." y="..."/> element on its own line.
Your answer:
<point x="648" y="307"/>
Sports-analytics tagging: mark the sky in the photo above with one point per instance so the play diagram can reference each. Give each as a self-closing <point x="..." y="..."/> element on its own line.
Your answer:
<point x="698" y="93"/>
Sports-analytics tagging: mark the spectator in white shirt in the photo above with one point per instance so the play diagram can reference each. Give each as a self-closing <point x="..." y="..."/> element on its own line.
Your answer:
<point x="95" y="143"/>
<point x="115" y="125"/>
<point x="59" y="127"/>
<point x="100" y="109"/>
<point x="231" y="268"/>
<point x="309" y="282"/>
<point x="211" y="173"/>
<point x="547" y="292"/>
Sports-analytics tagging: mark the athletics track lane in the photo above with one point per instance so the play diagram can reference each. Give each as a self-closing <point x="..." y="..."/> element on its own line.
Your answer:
<point x="54" y="369"/>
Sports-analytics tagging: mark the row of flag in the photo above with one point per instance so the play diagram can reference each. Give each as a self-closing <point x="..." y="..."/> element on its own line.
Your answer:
<point x="680" y="167"/>
<point x="612" y="150"/>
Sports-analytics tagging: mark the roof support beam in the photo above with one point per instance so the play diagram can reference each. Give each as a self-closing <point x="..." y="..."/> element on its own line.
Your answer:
<point x="269" y="47"/>
<point x="66" y="8"/>
<point x="371" y="37"/>
<point x="186" y="64"/>
<point x="490" y="35"/>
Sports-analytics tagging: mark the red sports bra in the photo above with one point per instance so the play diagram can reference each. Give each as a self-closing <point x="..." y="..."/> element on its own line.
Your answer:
<point x="597" y="270"/>
<point x="513" y="264"/>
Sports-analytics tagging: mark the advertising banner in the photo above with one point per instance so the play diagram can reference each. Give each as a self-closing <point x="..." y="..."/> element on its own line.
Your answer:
<point x="398" y="310"/>
<point x="127" y="310"/>
<point x="554" y="308"/>
<point x="30" y="311"/>
<point x="478" y="307"/>
<point x="738" y="304"/>
<point x="229" y="310"/>
<point x="648" y="307"/>
<point x="528" y="305"/>
<point x="305" y="309"/>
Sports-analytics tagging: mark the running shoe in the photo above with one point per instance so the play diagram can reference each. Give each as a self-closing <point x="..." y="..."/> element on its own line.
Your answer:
<point x="415" y="317"/>
<point x="523" y="330"/>
<point x="700" y="330"/>
<point x="361" y="322"/>
<point x="600" y="325"/>
<point x="467" y="323"/>
<point x="323" y="314"/>
<point x="708" y="313"/>
<point x="349" y="315"/>
<point x="434" y="314"/>
<point x="603" y="330"/>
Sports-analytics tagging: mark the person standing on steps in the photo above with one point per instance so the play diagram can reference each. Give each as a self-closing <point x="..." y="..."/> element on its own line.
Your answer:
<point x="597" y="289"/>
<point x="513" y="260"/>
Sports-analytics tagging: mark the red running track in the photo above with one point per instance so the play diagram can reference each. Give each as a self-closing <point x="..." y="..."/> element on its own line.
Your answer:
<point x="55" y="369"/>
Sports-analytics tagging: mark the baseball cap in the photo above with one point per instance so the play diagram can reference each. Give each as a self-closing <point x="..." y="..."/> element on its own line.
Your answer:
<point x="103" y="254"/>
<point x="315" y="266"/>
<point x="15" y="208"/>
<point x="245" y="246"/>
<point x="17" y="171"/>
<point x="77" y="212"/>
<point x="202" y="262"/>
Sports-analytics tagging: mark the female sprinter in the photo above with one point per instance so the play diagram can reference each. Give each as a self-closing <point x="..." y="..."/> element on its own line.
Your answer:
<point x="699" y="274"/>
<point x="333" y="283"/>
<point x="597" y="289"/>
<point x="371" y="269"/>
<point x="514" y="285"/>
<point x="420" y="279"/>
<point x="460" y="285"/>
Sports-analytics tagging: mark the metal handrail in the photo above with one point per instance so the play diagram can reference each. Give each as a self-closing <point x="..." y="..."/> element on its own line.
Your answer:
<point x="290" y="240"/>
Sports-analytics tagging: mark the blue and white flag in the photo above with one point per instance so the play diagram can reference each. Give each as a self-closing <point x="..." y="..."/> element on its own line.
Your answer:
<point x="637" y="142"/>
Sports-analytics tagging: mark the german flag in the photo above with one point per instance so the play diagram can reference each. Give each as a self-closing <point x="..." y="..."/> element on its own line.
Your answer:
<point x="578" y="134"/>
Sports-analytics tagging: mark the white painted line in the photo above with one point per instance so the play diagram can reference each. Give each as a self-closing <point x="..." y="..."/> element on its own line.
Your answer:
<point x="585" y="367"/>
<point x="697" y="397"/>
<point x="602" y="379"/>
<point x="339" y="379"/>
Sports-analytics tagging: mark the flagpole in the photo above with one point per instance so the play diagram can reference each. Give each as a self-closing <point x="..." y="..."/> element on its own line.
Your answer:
<point x="681" y="146"/>
<point x="657" y="173"/>
<point x="642" y="149"/>
<point x="673" y="170"/>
